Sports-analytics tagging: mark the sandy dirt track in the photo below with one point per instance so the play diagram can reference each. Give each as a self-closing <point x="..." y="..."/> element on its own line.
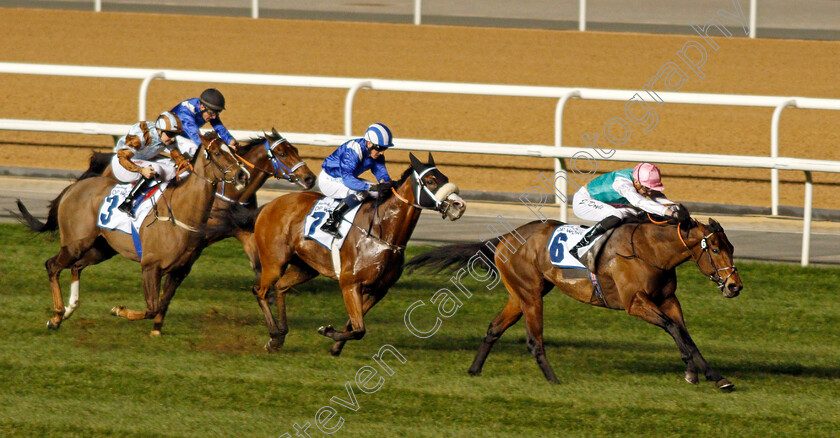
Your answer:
<point x="433" y="53"/>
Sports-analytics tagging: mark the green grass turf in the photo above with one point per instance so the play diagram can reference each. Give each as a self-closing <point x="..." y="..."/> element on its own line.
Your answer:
<point x="209" y="375"/>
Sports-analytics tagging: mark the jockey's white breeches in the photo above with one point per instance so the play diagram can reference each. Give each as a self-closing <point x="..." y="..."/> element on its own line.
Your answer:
<point x="589" y="209"/>
<point x="164" y="167"/>
<point x="335" y="188"/>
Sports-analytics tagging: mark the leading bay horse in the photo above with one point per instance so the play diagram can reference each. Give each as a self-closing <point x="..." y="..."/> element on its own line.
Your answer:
<point x="372" y="255"/>
<point x="171" y="236"/>
<point x="636" y="271"/>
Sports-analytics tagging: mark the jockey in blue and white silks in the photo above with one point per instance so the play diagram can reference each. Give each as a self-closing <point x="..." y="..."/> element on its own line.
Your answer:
<point x="194" y="113"/>
<point x="146" y="153"/>
<point x="339" y="178"/>
<point x="607" y="199"/>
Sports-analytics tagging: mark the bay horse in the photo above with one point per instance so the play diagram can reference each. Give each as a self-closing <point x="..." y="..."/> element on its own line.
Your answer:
<point x="270" y="155"/>
<point x="636" y="271"/>
<point x="372" y="255"/>
<point x="171" y="236"/>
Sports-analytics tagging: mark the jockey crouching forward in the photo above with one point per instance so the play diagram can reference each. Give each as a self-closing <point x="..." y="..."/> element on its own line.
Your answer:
<point x="147" y="152"/>
<point x="339" y="178"/>
<point x="606" y="200"/>
<point x="194" y="113"/>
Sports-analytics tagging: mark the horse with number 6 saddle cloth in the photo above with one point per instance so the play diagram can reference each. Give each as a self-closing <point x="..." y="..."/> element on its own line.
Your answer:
<point x="563" y="238"/>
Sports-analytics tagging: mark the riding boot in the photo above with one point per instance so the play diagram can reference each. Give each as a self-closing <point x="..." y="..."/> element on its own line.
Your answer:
<point x="331" y="224"/>
<point x="139" y="186"/>
<point x="594" y="232"/>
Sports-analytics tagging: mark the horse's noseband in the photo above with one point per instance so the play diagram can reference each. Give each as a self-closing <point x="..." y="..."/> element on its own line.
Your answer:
<point x="705" y="248"/>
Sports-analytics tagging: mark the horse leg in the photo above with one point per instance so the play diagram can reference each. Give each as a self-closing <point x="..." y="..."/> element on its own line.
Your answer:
<point x="151" y="288"/>
<point x="353" y="302"/>
<point x="100" y="252"/>
<point x="173" y="280"/>
<point x="268" y="277"/>
<point x="54" y="266"/>
<point x="671" y="307"/>
<point x="249" y="244"/>
<point x="296" y="273"/>
<point x="642" y="307"/>
<point x="506" y="318"/>
<point x="367" y="304"/>
<point x="533" y="311"/>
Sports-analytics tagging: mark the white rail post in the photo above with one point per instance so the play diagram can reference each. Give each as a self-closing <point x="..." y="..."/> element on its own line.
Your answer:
<point x="752" y="17"/>
<point x="255" y="8"/>
<point x="417" y="11"/>
<point x="774" y="153"/>
<point x="806" y="222"/>
<point x="558" y="162"/>
<point x="97" y="5"/>
<point x="582" y="16"/>
<point x="348" y="105"/>
<point x="144" y="88"/>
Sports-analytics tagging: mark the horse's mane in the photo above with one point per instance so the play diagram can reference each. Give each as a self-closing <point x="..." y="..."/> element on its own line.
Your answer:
<point x="650" y="218"/>
<point x="249" y="144"/>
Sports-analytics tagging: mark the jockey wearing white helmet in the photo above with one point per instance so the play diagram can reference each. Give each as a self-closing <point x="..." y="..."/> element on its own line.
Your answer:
<point x="606" y="199"/>
<point x="339" y="178"/>
<point x="146" y="152"/>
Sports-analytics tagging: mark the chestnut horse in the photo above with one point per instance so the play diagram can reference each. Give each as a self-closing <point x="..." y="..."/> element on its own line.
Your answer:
<point x="636" y="271"/>
<point x="171" y="236"/>
<point x="371" y="257"/>
<point x="268" y="156"/>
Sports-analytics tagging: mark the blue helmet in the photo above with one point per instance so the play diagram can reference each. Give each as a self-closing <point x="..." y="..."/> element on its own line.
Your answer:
<point x="379" y="135"/>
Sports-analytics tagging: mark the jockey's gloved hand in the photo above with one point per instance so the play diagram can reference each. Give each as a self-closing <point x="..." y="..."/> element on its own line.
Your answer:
<point x="381" y="187"/>
<point x="680" y="213"/>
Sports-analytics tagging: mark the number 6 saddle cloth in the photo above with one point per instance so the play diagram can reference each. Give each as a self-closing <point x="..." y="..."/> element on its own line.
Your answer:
<point x="565" y="237"/>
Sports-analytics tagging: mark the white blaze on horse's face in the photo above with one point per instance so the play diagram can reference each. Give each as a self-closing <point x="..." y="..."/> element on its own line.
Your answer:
<point x="454" y="205"/>
<point x="241" y="174"/>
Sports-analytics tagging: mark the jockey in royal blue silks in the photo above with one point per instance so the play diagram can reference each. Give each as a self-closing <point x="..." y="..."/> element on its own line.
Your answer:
<point x="194" y="113"/>
<point x="339" y="178"/>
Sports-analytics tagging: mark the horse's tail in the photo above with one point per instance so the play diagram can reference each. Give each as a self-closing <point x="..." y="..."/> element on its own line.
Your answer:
<point x="237" y="217"/>
<point x="453" y="257"/>
<point x="35" y="225"/>
<point x="99" y="161"/>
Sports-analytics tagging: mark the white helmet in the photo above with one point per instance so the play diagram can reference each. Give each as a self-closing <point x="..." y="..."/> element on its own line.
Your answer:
<point x="379" y="135"/>
<point x="169" y="122"/>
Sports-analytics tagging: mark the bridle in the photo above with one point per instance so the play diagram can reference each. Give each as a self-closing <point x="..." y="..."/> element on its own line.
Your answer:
<point x="225" y="170"/>
<point x="281" y="171"/>
<point x="430" y="202"/>
<point x="715" y="276"/>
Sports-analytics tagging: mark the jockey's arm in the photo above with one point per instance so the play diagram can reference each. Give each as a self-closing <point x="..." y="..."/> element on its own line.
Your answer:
<point x="223" y="132"/>
<point x="349" y="163"/>
<point x="625" y="188"/>
<point x="191" y="130"/>
<point x="181" y="162"/>
<point x="379" y="170"/>
<point x="124" y="155"/>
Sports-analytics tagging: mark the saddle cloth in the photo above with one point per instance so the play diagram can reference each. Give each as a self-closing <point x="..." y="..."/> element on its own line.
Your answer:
<point x="564" y="238"/>
<point x="316" y="217"/>
<point x="110" y="218"/>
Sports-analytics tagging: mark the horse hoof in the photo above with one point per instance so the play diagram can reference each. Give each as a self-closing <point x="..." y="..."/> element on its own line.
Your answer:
<point x="116" y="310"/>
<point x="51" y="325"/>
<point x="273" y="345"/>
<point x="691" y="378"/>
<point x="334" y="352"/>
<point x="326" y="330"/>
<point x="725" y="385"/>
<point x="155" y="333"/>
<point x="474" y="373"/>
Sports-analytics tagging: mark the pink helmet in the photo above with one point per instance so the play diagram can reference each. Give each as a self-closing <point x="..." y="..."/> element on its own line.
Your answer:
<point x="648" y="175"/>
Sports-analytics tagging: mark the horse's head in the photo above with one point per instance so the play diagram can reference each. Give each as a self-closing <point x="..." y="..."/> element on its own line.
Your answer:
<point x="219" y="164"/>
<point x="432" y="189"/>
<point x="273" y="155"/>
<point x="714" y="257"/>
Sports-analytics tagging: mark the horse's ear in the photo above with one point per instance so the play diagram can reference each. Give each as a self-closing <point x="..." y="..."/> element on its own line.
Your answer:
<point x="274" y="132"/>
<point x="715" y="225"/>
<point x="415" y="163"/>
<point x="431" y="160"/>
